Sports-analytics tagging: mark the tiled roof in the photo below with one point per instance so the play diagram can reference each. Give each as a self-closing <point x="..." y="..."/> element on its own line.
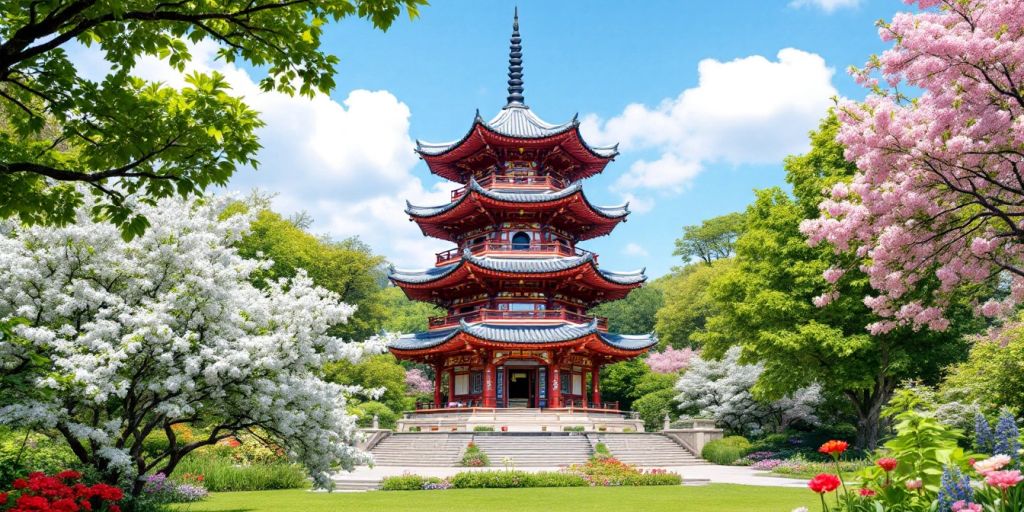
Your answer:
<point x="517" y="121"/>
<point x="520" y="196"/>
<point x="524" y="265"/>
<point x="524" y="334"/>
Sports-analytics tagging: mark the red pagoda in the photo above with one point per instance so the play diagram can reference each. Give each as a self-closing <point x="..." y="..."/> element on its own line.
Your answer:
<point x="517" y="287"/>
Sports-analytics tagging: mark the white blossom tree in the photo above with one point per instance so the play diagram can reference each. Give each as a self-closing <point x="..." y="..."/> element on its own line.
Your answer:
<point x="721" y="390"/>
<point x="113" y="341"/>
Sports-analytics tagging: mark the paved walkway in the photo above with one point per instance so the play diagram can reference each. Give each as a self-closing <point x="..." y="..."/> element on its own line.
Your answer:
<point x="691" y="474"/>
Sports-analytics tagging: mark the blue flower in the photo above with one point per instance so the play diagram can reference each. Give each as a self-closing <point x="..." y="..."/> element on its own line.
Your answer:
<point x="1007" y="437"/>
<point x="982" y="434"/>
<point x="955" y="486"/>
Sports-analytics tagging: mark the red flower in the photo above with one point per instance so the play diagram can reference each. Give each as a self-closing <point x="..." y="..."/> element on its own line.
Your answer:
<point x="107" y="492"/>
<point x="867" y="493"/>
<point x="114" y="508"/>
<point x="20" y="484"/>
<point x="3" y="498"/>
<point x="834" y="447"/>
<point x="823" y="483"/>
<point x="64" y="505"/>
<point x="69" y="474"/>
<point x="888" y="463"/>
<point x="28" y="502"/>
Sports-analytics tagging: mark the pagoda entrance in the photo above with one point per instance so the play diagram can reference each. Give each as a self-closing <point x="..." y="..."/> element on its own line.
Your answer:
<point x="522" y="387"/>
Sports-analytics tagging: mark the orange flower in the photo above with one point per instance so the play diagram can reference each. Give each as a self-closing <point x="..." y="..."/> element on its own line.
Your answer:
<point x="833" y="447"/>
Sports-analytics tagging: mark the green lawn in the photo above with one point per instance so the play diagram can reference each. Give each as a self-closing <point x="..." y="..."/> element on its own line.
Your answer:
<point x="709" y="498"/>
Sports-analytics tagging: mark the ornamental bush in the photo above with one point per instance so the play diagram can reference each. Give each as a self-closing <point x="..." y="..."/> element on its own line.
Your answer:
<point x="169" y="320"/>
<point x="474" y="457"/>
<point x="491" y="480"/>
<point x="407" y="482"/>
<point x="63" y="491"/>
<point x="727" y="450"/>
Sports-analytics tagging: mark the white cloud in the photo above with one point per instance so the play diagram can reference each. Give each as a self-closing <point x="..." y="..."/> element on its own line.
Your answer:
<point x="828" y="6"/>
<point x="749" y="110"/>
<point x="634" y="249"/>
<point x="348" y="164"/>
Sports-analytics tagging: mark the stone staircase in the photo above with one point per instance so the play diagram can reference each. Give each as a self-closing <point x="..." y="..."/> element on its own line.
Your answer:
<point x="525" y="450"/>
<point x="650" y="450"/>
<point x="529" y="449"/>
<point x="439" y="450"/>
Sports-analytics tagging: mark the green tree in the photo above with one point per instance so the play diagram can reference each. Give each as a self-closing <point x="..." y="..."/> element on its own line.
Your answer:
<point x="993" y="374"/>
<point x="381" y="371"/>
<point x="403" y="315"/>
<point x="653" y="407"/>
<point x="124" y="137"/>
<point x="348" y="268"/>
<point x="635" y="313"/>
<point x="713" y="239"/>
<point x="618" y="381"/>
<point x="687" y="303"/>
<point x="766" y="304"/>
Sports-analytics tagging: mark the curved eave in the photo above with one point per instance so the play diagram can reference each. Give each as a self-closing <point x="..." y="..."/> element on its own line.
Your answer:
<point x="491" y="336"/>
<point x="614" y="284"/>
<point x="518" y="200"/>
<point x="442" y="157"/>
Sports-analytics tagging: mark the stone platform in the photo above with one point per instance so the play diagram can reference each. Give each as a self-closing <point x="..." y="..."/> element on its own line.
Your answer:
<point x="472" y="419"/>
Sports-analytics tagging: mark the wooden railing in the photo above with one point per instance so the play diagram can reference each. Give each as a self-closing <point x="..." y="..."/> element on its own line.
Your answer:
<point x="566" y="404"/>
<point x="547" y="315"/>
<point x="512" y="249"/>
<point x="510" y="181"/>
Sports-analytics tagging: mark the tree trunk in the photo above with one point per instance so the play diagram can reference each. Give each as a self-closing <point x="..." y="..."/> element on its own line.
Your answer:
<point x="868" y="405"/>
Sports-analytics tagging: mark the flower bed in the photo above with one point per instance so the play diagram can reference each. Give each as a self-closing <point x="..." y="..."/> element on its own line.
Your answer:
<point x="474" y="457"/>
<point x="61" y="492"/>
<point x="598" y="472"/>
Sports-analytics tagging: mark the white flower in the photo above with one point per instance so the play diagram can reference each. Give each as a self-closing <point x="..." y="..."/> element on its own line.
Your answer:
<point x="169" y="328"/>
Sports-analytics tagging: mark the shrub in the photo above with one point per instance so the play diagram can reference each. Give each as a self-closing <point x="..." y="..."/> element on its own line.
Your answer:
<point x="22" y="453"/>
<point x="483" y="428"/>
<point x="474" y="457"/>
<point x="609" y="471"/>
<point x="556" y="479"/>
<point x="62" y="491"/>
<point x="222" y="474"/>
<point x="386" y="418"/>
<point x="490" y="479"/>
<point x="406" y="482"/>
<point x="574" y="428"/>
<point x="602" y="449"/>
<point x="727" y="450"/>
<point x="415" y="429"/>
<point x="159" y="490"/>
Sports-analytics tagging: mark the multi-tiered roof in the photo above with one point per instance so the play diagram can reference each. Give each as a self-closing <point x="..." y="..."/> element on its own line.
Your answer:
<point x="516" y="278"/>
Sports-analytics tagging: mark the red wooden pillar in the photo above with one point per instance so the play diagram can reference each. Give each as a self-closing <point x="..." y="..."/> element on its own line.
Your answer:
<point x="583" y="387"/>
<point x="595" y="380"/>
<point x="490" y="393"/>
<point x="555" y="400"/>
<point x="437" y="386"/>
<point x="451" y="384"/>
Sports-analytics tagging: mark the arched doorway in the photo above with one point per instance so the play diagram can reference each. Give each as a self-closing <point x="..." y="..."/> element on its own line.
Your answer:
<point x="521" y="241"/>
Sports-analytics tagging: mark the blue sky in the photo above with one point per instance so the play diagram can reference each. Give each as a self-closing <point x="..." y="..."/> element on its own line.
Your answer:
<point x="697" y="139"/>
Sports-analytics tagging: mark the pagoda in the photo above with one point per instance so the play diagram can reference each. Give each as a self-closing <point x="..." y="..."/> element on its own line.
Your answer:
<point x="516" y="286"/>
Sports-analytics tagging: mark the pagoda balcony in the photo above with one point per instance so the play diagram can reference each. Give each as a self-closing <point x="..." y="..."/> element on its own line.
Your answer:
<point x="493" y="181"/>
<point x="519" y="317"/>
<point x="510" y="249"/>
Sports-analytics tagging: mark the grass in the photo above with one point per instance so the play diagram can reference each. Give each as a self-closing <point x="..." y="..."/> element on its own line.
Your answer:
<point x="709" y="498"/>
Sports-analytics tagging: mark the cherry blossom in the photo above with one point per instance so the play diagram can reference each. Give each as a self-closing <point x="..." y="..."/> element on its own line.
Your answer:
<point x="940" y="183"/>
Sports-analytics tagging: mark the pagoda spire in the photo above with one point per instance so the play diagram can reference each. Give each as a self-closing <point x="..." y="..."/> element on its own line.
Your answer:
<point x="515" y="66"/>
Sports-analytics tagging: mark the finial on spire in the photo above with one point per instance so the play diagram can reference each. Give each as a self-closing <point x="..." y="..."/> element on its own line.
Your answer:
<point x="515" y="65"/>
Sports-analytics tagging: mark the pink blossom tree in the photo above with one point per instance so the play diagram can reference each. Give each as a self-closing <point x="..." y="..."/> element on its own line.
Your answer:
<point x="671" y="360"/>
<point x="417" y="381"/>
<point x="938" y="202"/>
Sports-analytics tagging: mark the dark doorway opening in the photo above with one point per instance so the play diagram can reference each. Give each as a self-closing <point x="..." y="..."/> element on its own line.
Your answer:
<point x="520" y="388"/>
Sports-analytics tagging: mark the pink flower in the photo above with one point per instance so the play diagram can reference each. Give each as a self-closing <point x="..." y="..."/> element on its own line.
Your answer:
<point x="867" y="493"/>
<point x="1003" y="479"/>
<point x="915" y="484"/>
<point x="994" y="463"/>
<point x="963" y="506"/>
<point x="671" y="360"/>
